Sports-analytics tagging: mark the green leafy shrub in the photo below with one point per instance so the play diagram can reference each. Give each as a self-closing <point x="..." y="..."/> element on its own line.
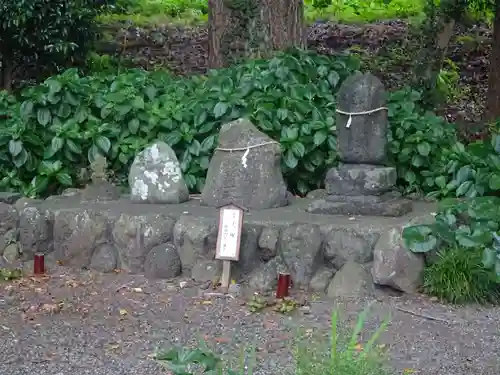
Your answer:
<point x="430" y="159"/>
<point x="61" y="125"/>
<point x="417" y="140"/>
<point x="465" y="224"/>
<point x="459" y="276"/>
<point x="46" y="32"/>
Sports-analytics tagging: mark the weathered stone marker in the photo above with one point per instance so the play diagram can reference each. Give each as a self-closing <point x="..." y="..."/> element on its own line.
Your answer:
<point x="245" y="169"/>
<point x="156" y="177"/>
<point x="362" y="184"/>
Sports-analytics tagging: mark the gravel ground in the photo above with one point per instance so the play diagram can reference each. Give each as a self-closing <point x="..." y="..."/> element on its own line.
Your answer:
<point x="81" y="322"/>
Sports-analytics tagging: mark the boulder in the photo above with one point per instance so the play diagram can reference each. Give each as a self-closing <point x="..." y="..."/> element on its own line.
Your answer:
<point x="321" y="279"/>
<point x="8" y="218"/>
<point x="135" y="235"/>
<point x="207" y="270"/>
<point x="163" y="262"/>
<point x="300" y="249"/>
<point x="249" y="177"/>
<point x="77" y="233"/>
<point x="105" y="258"/>
<point x="344" y="245"/>
<point x="156" y="177"/>
<point x="195" y="239"/>
<point x="268" y="243"/>
<point x="394" y="265"/>
<point x="35" y="230"/>
<point x="351" y="281"/>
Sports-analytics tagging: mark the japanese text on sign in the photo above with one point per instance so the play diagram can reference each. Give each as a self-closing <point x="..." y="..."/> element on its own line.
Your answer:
<point x="229" y="234"/>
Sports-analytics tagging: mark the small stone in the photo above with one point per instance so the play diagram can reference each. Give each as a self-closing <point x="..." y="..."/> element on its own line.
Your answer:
<point x="163" y="262"/>
<point x="321" y="279"/>
<point x="394" y="265"/>
<point x="250" y="178"/>
<point x="207" y="270"/>
<point x="351" y="281"/>
<point x="11" y="253"/>
<point x="104" y="258"/>
<point x="156" y="176"/>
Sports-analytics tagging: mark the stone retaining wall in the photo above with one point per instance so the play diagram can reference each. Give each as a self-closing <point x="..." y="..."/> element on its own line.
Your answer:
<point x="326" y="253"/>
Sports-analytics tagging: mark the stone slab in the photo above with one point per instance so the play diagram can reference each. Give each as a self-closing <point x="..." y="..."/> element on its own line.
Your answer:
<point x="361" y="205"/>
<point x="360" y="179"/>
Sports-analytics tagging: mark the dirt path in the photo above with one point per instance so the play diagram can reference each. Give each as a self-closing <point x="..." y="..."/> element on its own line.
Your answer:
<point x="87" y="323"/>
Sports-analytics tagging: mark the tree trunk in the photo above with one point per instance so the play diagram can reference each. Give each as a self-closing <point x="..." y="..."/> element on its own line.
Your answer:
<point x="245" y="29"/>
<point x="493" y="97"/>
<point x="6" y="72"/>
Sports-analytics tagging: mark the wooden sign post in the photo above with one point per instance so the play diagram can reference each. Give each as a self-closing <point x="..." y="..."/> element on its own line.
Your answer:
<point x="228" y="240"/>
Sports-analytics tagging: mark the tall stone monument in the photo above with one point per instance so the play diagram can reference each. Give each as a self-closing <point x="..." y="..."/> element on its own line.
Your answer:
<point x="362" y="184"/>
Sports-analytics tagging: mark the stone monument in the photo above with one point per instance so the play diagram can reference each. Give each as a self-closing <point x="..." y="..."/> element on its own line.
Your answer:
<point x="156" y="177"/>
<point x="245" y="169"/>
<point x="362" y="184"/>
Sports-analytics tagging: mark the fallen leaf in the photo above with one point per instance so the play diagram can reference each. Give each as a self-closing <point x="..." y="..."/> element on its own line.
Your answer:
<point x="117" y="270"/>
<point x="358" y="347"/>
<point x="123" y="312"/>
<point x="408" y="371"/>
<point x="206" y="302"/>
<point x="137" y="290"/>
<point x="59" y="262"/>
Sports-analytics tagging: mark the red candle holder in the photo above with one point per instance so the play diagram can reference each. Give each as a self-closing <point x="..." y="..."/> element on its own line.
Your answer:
<point x="284" y="283"/>
<point x="39" y="264"/>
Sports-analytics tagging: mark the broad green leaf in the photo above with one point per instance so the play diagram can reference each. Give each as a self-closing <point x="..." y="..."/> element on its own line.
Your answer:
<point x="298" y="149"/>
<point x="44" y="116"/>
<point x="290" y="160"/>
<point x="220" y="109"/>
<point x="133" y="126"/>
<point x="172" y="138"/>
<point x="320" y="137"/>
<point x="64" y="178"/>
<point x="423" y="148"/>
<point x="419" y="238"/>
<point x="195" y="147"/>
<point x="494" y="182"/>
<point x="103" y="143"/>
<point x="489" y="257"/>
<point x="208" y="143"/>
<point x="15" y="147"/>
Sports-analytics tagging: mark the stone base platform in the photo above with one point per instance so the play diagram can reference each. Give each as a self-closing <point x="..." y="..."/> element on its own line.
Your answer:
<point x="389" y="204"/>
<point x="322" y="252"/>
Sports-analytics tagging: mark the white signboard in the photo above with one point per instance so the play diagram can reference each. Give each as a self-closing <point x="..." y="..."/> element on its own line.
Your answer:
<point x="228" y="240"/>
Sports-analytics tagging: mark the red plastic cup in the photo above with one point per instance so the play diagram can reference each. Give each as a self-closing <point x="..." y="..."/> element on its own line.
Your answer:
<point x="39" y="264"/>
<point x="284" y="283"/>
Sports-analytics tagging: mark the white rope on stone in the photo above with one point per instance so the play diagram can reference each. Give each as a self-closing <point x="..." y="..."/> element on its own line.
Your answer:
<point x="350" y="114"/>
<point x="246" y="149"/>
